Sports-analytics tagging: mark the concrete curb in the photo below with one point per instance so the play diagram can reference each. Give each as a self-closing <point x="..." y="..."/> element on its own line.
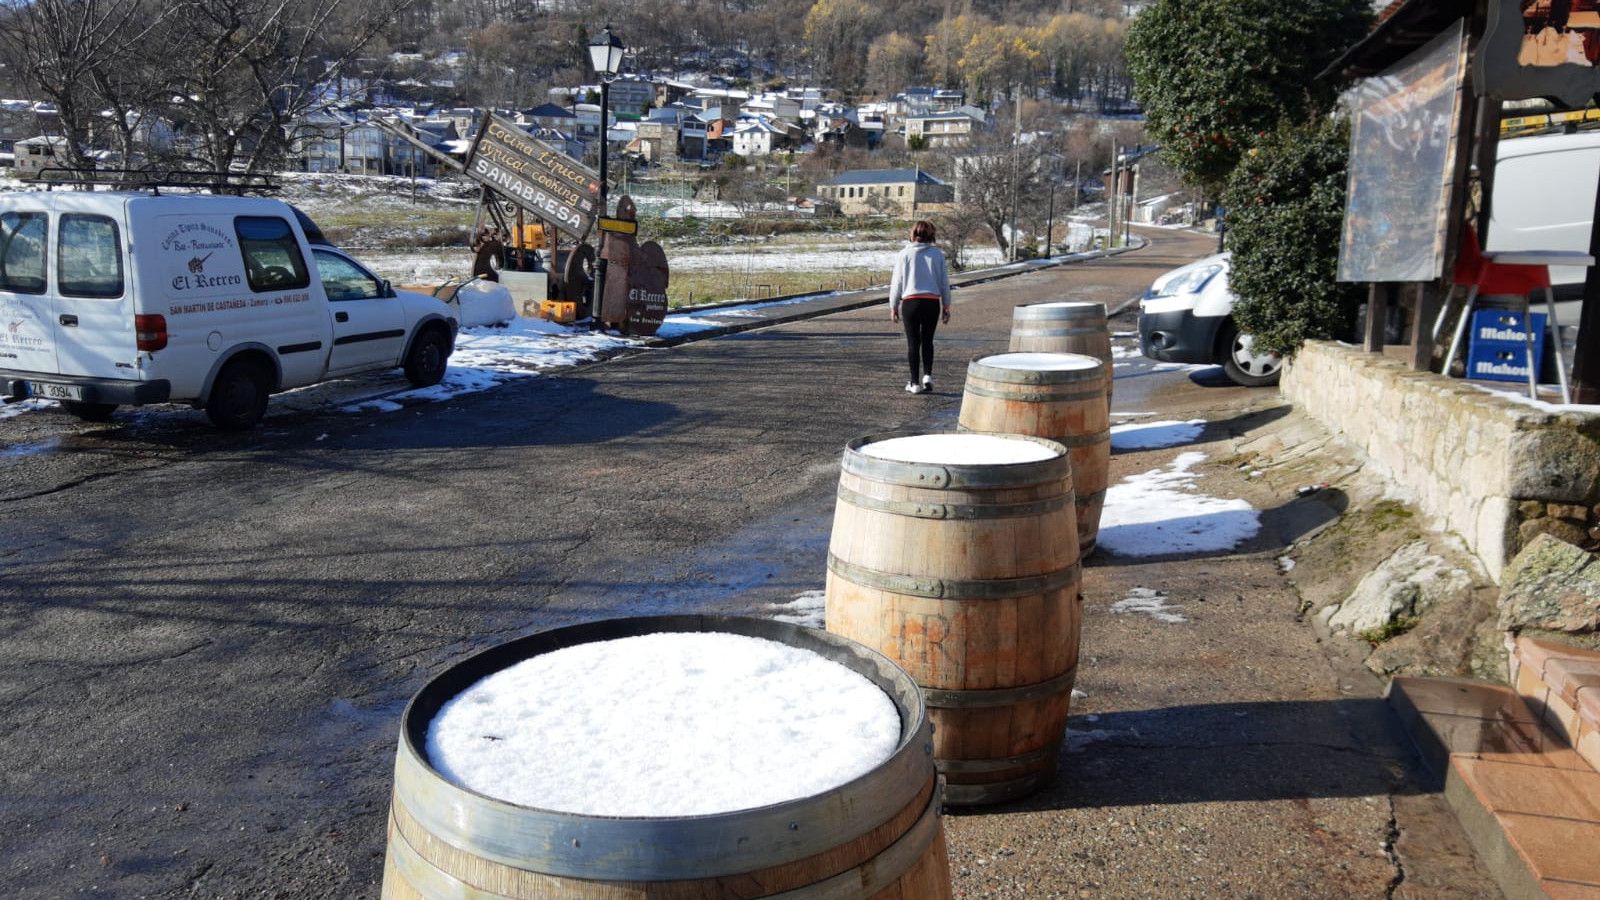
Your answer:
<point x="867" y="297"/>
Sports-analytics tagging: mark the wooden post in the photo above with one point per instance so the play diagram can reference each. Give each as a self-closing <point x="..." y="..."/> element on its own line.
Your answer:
<point x="1377" y="315"/>
<point x="1430" y="297"/>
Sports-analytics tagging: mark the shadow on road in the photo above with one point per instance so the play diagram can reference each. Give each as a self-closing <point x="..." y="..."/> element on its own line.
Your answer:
<point x="1230" y="752"/>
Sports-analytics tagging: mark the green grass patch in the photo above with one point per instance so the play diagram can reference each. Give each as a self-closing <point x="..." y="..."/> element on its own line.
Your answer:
<point x="1399" y="626"/>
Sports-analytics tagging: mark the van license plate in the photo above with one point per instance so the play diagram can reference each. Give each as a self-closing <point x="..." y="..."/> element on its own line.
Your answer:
<point x="55" y="391"/>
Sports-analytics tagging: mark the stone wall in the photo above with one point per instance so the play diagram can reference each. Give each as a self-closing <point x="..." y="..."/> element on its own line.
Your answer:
<point x="1492" y="470"/>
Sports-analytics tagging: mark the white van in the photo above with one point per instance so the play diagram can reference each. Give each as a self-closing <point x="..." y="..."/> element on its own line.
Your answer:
<point x="110" y="298"/>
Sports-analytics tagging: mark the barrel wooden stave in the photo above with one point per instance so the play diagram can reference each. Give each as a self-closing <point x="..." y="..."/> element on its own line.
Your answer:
<point x="990" y="604"/>
<point x="1065" y="328"/>
<point x="424" y="863"/>
<point x="1064" y="410"/>
<point x="880" y="835"/>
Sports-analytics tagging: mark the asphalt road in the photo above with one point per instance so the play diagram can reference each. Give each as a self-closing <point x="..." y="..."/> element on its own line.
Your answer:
<point x="206" y="640"/>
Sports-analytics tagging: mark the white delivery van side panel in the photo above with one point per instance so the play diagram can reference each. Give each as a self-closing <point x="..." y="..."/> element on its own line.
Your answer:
<point x="194" y="273"/>
<point x="1544" y="190"/>
<point x="93" y="295"/>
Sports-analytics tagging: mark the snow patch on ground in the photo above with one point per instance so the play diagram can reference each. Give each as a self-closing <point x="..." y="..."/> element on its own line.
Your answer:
<point x="1285" y="564"/>
<point x="1154" y="435"/>
<point x="1148" y="602"/>
<point x="1162" y="512"/>
<point x="806" y="609"/>
<point x="678" y="724"/>
<point x="7" y="410"/>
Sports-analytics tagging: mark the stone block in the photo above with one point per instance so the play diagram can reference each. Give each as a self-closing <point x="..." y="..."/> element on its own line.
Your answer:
<point x="1559" y="529"/>
<point x="1554" y="464"/>
<point x="1531" y="509"/>
<point x="1576" y="513"/>
<point x="1409" y="582"/>
<point x="1551" y="585"/>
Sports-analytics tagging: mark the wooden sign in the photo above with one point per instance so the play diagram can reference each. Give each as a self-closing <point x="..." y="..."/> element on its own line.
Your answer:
<point x="1532" y="49"/>
<point x="647" y="289"/>
<point x="534" y="175"/>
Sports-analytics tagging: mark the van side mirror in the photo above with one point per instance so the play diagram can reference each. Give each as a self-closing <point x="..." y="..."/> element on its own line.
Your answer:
<point x="385" y="289"/>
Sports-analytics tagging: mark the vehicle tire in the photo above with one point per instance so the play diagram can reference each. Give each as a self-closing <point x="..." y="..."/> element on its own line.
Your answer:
<point x="429" y="355"/>
<point x="238" y="397"/>
<point x="1244" y="366"/>
<point x="89" y="412"/>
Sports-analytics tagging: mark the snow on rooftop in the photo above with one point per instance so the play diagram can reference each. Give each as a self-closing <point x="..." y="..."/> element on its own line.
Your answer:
<point x="659" y="725"/>
<point x="1162" y="512"/>
<point x="960" y="449"/>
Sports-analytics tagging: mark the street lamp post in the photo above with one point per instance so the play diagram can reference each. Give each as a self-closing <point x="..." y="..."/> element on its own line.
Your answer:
<point x="605" y="57"/>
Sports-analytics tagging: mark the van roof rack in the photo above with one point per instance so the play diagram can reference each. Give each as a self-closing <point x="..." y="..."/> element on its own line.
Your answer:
<point x="238" y="183"/>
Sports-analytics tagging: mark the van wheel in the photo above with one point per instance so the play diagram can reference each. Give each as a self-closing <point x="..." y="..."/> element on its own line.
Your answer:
<point x="1244" y="365"/>
<point x="429" y="355"/>
<point x="89" y="412"/>
<point x="239" y="396"/>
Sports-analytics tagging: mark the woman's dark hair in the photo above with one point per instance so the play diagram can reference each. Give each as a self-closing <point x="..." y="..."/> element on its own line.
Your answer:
<point x="923" y="232"/>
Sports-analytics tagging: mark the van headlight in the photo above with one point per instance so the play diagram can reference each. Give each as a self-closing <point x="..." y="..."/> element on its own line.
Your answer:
<point x="1189" y="282"/>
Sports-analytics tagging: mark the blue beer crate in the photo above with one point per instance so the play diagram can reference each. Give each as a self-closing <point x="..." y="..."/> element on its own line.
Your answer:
<point x="1498" y="350"/>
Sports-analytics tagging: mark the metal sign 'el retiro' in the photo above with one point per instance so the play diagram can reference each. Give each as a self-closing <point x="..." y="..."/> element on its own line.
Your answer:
<point x="536" y="175"/>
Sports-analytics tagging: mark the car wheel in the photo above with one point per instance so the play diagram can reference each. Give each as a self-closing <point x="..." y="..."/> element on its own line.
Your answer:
<point x="238" y="397"/>
<point x="1245" y="366"/>
<point x="89" y="412"/>
<point x="430" y="354"/>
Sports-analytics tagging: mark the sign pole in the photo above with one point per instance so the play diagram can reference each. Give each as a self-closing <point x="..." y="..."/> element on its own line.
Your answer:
<point x="1586" y="355"/>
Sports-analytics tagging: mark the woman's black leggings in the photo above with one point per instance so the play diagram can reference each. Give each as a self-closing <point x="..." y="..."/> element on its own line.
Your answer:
<point x="921" y="317"/>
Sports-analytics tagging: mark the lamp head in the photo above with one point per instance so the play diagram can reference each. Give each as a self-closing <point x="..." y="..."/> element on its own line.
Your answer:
<point x="605" y="53"/>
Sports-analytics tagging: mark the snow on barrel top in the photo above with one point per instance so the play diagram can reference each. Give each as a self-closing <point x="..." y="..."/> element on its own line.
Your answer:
<point x="664" y="725"/>
<point x="1042" y="362"/>
<point x="960" y="449"/>
<point x="1063" y="304"/>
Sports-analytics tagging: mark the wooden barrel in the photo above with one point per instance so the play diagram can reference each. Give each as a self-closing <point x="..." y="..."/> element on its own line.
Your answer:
<point x="1051" y="395"/>
<point x="878" y="836"/>
<point x="967" y="576"/>
<point x="1064" y="326"/>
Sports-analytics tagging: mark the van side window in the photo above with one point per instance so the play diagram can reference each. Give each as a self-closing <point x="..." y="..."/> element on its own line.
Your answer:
<point x="344" y="280"/>
<point x="22" y="250"/>
<point x="88" y="256"/>
<point x="272" y="259"/>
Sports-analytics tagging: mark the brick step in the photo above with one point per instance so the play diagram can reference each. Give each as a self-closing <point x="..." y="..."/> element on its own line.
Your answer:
<point x="1562" y="684"/>
<point x="1527" y="801"/>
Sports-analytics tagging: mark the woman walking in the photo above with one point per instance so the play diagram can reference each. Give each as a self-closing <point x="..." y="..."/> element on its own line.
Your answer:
<point x="919" y="294"/>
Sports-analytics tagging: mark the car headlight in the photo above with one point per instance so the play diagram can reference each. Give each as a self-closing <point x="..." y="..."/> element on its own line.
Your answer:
<point x="1187" y="283"/>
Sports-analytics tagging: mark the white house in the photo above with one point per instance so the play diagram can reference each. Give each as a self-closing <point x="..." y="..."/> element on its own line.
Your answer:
<point x="758" y="137"/>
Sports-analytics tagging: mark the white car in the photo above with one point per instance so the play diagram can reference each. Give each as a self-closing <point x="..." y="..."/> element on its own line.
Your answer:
<point x="111" y="298"/>
<point x="1187" y="317"/>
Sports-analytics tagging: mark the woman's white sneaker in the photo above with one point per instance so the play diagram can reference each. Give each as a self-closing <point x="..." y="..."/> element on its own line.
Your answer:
<point x="913" y="388"/>
<point x="927" y="383"/>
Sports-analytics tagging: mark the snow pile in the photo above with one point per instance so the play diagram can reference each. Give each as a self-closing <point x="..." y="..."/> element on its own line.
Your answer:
<point x="1160" y="512"/>
<point x="1154" y="435"/>
<point x="677" y="724"/>
<point x="960" y="450"/>
<point x="481" y="302"/>
<point x="1148" y="602"/>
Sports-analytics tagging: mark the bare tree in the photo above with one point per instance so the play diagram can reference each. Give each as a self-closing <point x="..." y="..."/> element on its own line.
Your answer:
<point x="57" y="47"/>
<point x="996" y="178"/>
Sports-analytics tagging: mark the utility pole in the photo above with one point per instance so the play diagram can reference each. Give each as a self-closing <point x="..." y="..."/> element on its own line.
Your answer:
<point x="1050" y="222"/>
<point x="1016" y="164"/>
<point x="1112" y="195"/>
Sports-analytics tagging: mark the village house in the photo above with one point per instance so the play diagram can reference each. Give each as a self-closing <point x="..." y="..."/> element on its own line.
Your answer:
<point x="772" y="107"/>
<point x="894" y="192"/>
<point x="760" y="136"/>
<point x="548" y="115"/>
<point x="945" y="129"/>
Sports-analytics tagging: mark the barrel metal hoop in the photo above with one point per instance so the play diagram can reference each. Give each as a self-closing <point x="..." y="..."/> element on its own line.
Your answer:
<point x="1098" y="393"/>
<point x="943" y="699"/>
<point x="883" y="870"/>
<point x="954" y="511"/>
<point x="1096" y="497"/>
<point x="1060" y="377"/>
<point x="997" y="791"/>
<point x="990" y="766"/>
<point x="1027" y="330"/>
<point x="957" y="477"/>
<point x="953" y="589"/>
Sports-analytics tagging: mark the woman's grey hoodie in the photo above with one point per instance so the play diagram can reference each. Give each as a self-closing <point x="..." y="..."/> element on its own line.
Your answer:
<point x="919" y="269"/>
